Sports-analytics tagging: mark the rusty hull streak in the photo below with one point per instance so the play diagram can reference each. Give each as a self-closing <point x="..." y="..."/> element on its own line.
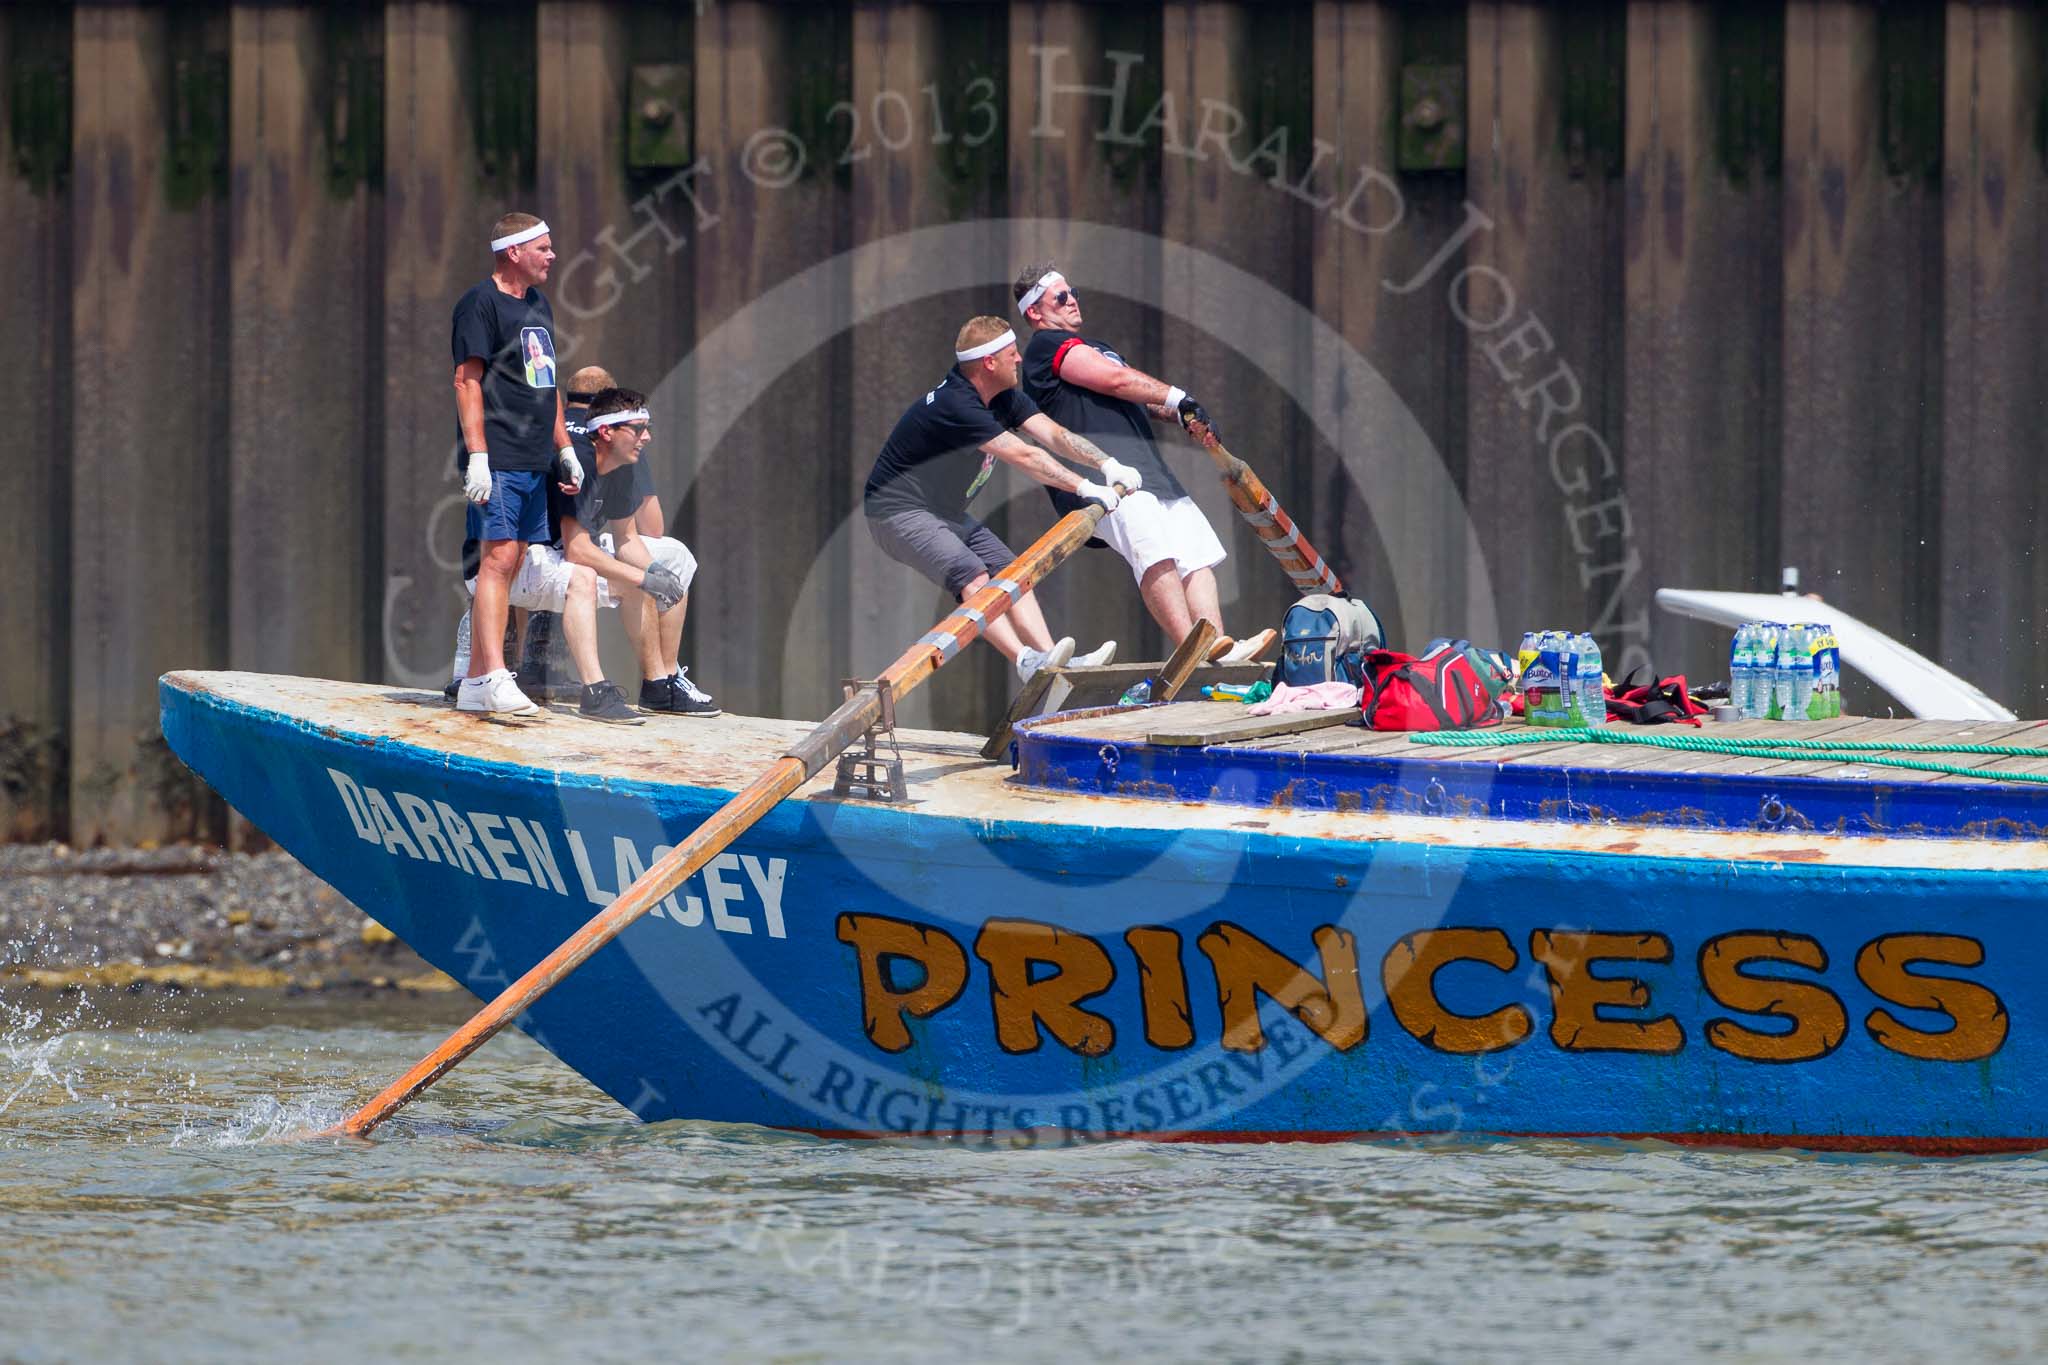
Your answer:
<point x="1151" y="791"/>
<point x="732" y="749"/>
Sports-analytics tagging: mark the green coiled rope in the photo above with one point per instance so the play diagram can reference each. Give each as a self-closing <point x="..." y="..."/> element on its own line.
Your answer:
<point x="1862" y="752"/>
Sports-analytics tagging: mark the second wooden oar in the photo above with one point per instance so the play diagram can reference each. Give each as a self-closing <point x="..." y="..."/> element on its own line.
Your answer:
<point x="1270" y="522"/>
<point x="804" y="760"/>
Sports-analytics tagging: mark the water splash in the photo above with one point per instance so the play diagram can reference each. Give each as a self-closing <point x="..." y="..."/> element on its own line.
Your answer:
<point x="30" y="1040"/>
<point x="28" y="1054"/>
<point x="264" y="1119"/>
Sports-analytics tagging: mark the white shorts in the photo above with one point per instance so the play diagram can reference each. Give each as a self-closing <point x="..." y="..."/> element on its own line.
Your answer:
<point x="1146" y="531"/>
<point x="542" y="583"/>
<point x="671" y="554"/>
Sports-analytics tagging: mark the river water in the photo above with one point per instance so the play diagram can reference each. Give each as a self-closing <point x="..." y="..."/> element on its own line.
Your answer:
<point x="516" y="1214"/>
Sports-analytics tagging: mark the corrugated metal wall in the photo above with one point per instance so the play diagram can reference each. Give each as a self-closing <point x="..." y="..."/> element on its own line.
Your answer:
<point x="1623" y="294"/>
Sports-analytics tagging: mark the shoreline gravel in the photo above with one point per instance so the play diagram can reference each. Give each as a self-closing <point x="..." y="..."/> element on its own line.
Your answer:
<point x="188" y="917"/>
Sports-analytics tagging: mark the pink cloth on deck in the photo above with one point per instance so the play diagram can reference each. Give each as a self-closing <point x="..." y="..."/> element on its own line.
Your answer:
<point x="1327" y="696"/>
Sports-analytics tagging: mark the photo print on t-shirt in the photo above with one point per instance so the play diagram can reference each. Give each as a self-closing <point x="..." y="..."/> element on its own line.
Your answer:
<point x="539" y="349"/>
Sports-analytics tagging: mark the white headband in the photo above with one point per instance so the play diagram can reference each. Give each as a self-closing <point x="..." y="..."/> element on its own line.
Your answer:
<point x="1033" y="294"/>
<point x="612" y="419"/>
<point x="986" y="348"/>
<point x="516" y="238"/>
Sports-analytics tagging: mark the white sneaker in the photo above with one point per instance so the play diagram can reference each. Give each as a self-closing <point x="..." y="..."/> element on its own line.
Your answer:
<point x="1095" y="658"/>
<point x="496" y="693"/>
<point x="1247" y="650"/>
<point x="1032" y="660"/>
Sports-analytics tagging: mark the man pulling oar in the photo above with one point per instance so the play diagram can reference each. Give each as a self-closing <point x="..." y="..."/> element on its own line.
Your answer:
<point x="1159" y="532"/>
<point x="803" y="761"/>
<point x="940" y="453"/>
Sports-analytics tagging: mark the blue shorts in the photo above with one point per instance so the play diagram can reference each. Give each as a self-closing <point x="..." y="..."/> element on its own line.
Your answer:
<point x="518" y="509"/>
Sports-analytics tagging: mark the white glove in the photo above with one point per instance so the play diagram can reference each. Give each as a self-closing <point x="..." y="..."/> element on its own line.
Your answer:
<point x="572" y="468"/>
<point x="1095" y="492"/>
<point x="1121" y="474"/>
<point x="476" y="482"/>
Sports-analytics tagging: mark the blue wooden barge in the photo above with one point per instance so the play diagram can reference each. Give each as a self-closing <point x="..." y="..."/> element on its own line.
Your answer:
<point x="1176" y="923"/>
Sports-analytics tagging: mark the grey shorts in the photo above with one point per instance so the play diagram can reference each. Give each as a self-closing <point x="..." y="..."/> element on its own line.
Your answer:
<point x="950" y="553"/>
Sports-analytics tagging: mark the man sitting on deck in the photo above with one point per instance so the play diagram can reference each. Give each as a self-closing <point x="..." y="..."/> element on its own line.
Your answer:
<point x="1160" y="531"/>
<point x="546" y="582"/>
<point x="647" y="577"/>
<point x="938" y="456"/>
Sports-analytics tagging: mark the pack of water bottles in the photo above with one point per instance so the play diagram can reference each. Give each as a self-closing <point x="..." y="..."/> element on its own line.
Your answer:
<point x="1562" y="679"/>
<point x="1789" y="672"/>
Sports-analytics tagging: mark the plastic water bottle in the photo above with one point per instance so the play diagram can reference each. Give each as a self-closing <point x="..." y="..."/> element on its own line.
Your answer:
<point x="1563" y="666"/>
<point x="1541" y="686"/>
<point x="1781" y="675"/>
<point x="1829" y="663"/>
<point x="1526" y="655"/>
<point x="462" y="648"/>
<point x="1740" y="660"/>
<point x="1801" y="682"/>
<point x="1820" y="645"/>
<point x="1592" y="684"/>
<point x="1763" y="688"/>
<point x="1573" y="682"/>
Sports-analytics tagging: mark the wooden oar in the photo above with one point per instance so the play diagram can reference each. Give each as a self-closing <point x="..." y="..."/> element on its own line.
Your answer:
<point x="1270" y="522"/>
<point x="1192" y="652"/>
<point x="804" y="760"/>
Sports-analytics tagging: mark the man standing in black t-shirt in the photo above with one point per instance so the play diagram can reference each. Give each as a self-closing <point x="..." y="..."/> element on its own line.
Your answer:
<point x="509" y="415"/>
<point x="938" y="456"/>
<point x="1161" y="533"/>
<point x="647" y="577"/>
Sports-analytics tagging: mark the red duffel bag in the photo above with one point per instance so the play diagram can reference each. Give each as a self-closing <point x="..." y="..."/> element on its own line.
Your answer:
<point x="1442" y="690"/>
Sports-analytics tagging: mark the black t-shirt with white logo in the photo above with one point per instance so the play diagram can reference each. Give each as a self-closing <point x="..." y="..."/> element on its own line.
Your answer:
<point x="1121" y="428"/>
<point x="933" y="460"/>
<point x="601" y="500"/>
<point x="515" y="338"/>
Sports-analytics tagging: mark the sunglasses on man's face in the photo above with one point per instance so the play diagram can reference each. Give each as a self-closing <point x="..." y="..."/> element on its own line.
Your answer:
<point x="1063" y="298"/>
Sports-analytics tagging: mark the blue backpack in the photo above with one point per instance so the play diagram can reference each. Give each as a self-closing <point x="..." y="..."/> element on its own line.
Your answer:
<point x="1325" y="639"/>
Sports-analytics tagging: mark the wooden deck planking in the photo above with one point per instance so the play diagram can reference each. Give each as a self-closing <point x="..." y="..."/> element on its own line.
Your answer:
<point x="1719" y="764"/>
<point x="2031" y="733"/>
<point x="1919" y="732"/>
<point x="2035" y="735"/>
<point x="1705" y="764"/>
<point x="1341" y="739"/>
<point x="1226" y="723"/>
<point x="1173" y="732"/>
<point x="1586" y="755"/>
<point x="1133" y="725"/>
<point x="1912" y="732"/>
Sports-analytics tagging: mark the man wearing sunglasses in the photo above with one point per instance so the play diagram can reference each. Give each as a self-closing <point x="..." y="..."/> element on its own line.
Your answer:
<point x="646" y="577"/>
<point x="1161" y="533"/>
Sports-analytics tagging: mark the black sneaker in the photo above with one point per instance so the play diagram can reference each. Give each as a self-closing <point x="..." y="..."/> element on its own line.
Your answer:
<point x="677" y="696"/>
<point x="603" y="701"/>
